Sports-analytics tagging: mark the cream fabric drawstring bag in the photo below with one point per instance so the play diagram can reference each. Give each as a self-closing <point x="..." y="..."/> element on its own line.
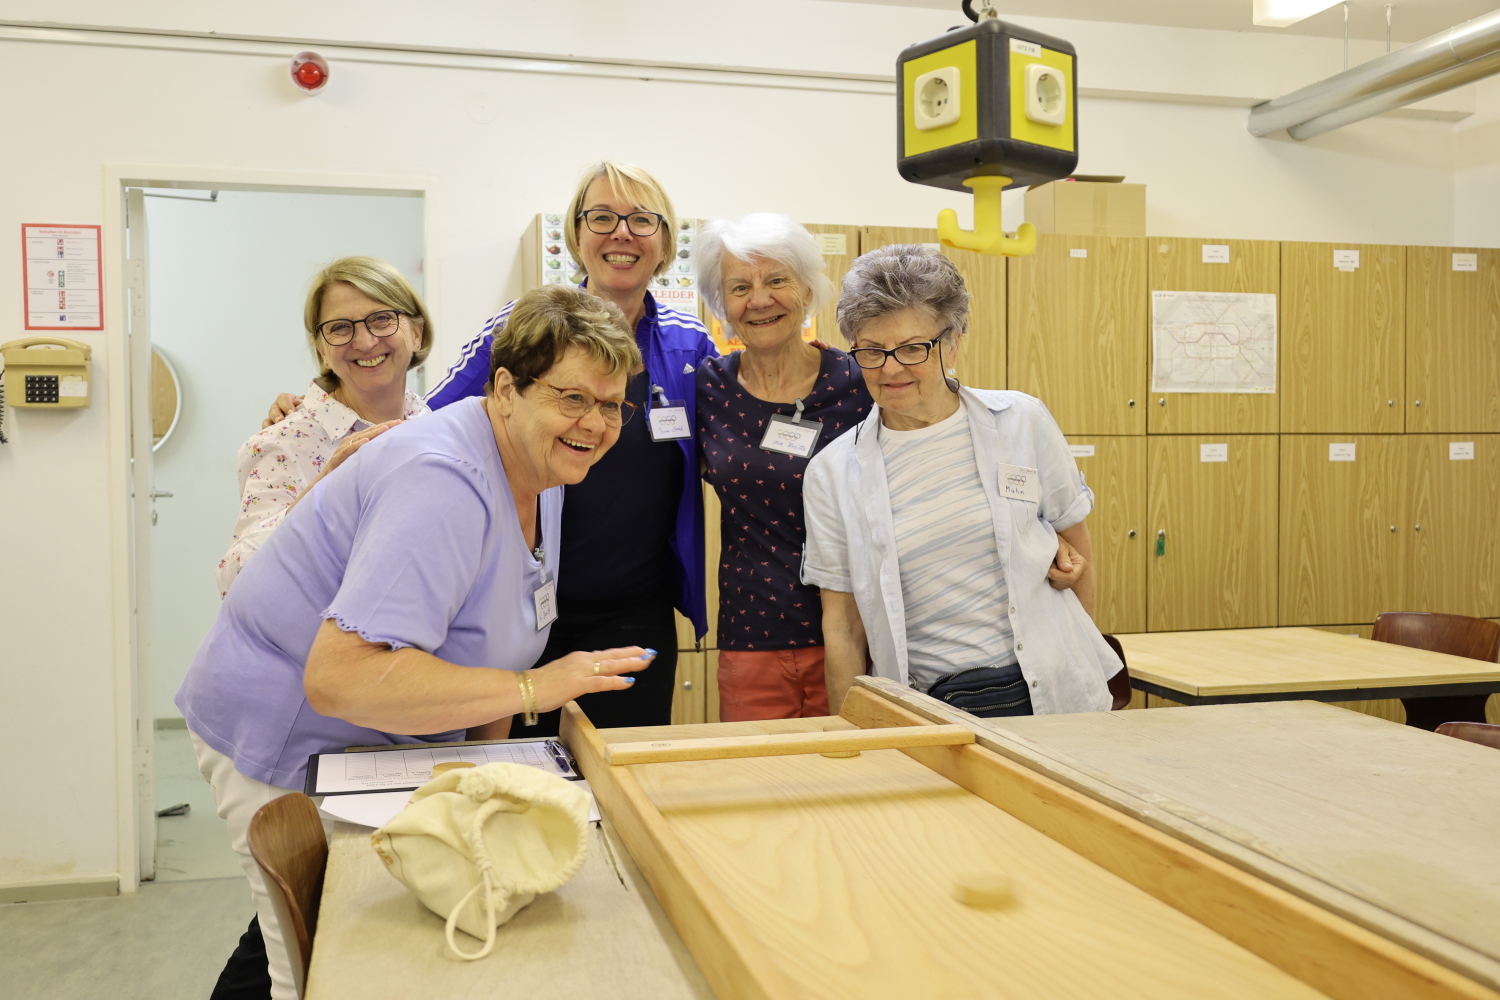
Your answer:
<point x="478" y="844"/>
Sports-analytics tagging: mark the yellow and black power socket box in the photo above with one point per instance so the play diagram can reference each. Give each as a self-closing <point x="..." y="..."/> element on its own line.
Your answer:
<point x="989" y="98"/>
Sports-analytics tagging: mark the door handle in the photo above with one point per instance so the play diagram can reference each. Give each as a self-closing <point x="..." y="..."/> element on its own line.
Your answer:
<point x="1161" y="541"/>
<point x="159" y="493"/>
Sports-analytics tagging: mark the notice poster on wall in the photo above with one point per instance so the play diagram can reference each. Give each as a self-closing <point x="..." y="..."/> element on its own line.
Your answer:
<point x="61" y="265"/>
<point x="676" y="287"/>
<point x="1213" y="342"/>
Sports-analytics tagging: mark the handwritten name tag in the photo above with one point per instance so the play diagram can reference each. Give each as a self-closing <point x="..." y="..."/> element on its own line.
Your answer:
<point x="1019" y="483"/>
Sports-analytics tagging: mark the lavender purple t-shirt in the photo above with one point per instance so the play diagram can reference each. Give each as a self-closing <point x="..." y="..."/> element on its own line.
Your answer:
<point x="415" y="542"/>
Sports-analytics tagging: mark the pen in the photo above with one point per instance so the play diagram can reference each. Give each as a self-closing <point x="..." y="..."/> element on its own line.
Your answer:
<point x="560" y="755"/>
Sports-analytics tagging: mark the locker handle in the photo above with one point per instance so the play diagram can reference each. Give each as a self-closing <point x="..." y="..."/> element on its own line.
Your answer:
<point x="1417" y="528"/>
<point x="1390" y="402"/>
<point x="1419" y="402"/>
<point x="687" y="685"/>
<point x="1130" y="533"/>
<point x="1132" y="403"/>
<point x="1161" y="542"/>
<point x="1393" y="529"/>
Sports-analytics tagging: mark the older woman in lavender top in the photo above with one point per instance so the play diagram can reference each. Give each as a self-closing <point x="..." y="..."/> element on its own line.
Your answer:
<point x="405" y="600"/>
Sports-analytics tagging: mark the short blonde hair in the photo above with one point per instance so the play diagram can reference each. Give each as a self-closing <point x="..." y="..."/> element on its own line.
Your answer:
<point x="636" y="186"/>
<point x="545" y="322"/>
<point x="381" y="282"/>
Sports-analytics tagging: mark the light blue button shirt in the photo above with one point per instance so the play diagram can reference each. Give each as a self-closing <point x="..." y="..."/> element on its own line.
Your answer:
<point x="851" y="546"/>
<point x="415" y="542"/>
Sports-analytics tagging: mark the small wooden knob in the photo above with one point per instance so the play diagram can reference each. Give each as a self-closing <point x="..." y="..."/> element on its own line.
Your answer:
<point x="449" y="765"/>
<point x="984" y="889"/>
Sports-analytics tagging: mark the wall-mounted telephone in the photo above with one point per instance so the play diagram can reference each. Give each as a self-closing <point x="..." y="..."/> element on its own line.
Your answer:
<point x="50" y="372"/>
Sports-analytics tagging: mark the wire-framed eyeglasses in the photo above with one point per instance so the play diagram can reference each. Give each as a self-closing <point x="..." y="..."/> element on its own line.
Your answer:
<point x="906" y="354"/>
<point x="576" y="403"/>
<point x="338" y="332"/>
<point x="604" y="222"/>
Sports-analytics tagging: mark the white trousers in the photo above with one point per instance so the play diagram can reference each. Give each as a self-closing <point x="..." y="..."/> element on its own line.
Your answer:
<point x="238" y="797"/>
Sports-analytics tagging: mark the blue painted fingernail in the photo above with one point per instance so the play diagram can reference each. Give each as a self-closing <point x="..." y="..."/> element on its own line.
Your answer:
<point x="630" y="680"/>
<point x="649" y="655"/>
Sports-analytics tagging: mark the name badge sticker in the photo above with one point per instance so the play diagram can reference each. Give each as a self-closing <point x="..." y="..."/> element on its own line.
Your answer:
<point x="1020" y="483"/>
<point x="668" y="418"/>
<point x="792" y="435"/>
<point x="545" y="598"/>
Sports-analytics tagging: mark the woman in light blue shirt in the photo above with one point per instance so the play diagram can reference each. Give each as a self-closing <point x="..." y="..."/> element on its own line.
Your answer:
<point x="933" y="527"/>
<point x="404" y="600"/>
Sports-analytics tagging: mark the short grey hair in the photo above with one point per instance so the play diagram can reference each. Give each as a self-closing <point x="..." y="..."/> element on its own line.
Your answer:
<point x="764" y="235"/>
<point x="903" y="276"/>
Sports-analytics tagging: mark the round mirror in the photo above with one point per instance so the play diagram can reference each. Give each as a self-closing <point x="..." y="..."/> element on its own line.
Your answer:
<point x="166" y="398"/>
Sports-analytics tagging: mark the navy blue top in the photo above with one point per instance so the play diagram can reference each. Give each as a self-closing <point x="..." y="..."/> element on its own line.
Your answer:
<point x="763" y="603"/>
<point x="672" y="344"/>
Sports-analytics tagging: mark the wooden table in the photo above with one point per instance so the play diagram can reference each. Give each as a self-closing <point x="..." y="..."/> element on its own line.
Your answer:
<point x="1273" y="664"/>
<point x="600" y="935"/>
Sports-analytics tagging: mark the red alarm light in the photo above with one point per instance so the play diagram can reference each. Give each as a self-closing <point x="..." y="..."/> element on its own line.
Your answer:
<point x="309" y="71"/>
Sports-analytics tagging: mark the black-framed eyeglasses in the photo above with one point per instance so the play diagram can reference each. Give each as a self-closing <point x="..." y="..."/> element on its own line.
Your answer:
<point x="604" y="222"/>
<point x="576" y="403"/>
<point x="906" y="354"/>
<point x="338" y="332"/>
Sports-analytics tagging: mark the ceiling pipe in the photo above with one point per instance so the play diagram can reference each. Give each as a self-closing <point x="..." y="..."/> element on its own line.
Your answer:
<point x="1447" y="52"/>
<point x="1389" y="100"/>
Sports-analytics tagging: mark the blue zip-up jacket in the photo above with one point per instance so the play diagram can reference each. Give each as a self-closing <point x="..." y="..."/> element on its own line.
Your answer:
<point x="672" y="344"/>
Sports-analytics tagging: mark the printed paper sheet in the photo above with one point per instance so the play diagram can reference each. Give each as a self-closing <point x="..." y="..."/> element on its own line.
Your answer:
<point x="1213" y="342"/>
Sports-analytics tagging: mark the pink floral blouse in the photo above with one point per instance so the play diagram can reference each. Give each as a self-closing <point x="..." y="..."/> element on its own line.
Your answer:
<point x="278" y="463"/>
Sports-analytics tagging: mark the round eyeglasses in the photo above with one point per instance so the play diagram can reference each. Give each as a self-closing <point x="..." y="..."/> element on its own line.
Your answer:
<point x="604" y="222"/>
<point x="338" y="332"/>
<point x="576" y="403"/>
<point x="906" y="354"/>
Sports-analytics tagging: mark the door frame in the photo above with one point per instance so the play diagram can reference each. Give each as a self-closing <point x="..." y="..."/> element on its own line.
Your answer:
<point x="130" y="548"/>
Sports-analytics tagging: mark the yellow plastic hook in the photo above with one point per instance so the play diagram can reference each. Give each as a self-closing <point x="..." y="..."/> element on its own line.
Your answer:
<point x="987" y="236"/>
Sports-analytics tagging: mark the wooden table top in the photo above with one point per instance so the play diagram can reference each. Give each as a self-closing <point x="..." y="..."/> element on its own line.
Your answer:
<point x="1274" y="660"/>
<point x="600" y="935"/>
<point x="1395" y="827"/>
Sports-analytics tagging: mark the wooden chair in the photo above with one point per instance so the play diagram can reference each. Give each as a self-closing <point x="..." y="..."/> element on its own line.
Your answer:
<point x="1119" y="684"/>
<point x="1456" y="635"/>
<point x="1474" y="732"/>
<point x="287" y="841"/>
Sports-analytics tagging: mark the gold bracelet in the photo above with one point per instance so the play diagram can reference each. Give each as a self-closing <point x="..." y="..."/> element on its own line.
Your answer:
<point x="528" y="698"/>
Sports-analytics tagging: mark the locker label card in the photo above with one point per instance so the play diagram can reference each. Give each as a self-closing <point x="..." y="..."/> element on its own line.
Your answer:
<point x="1466" y="262"/>
<point x="1078" y="253"/>
<point x="1213" y="452"/>
<point x="670" y="422"/>
<point x="1460" y="451"/>
<point x="1020" y="483"/>
<point x="1216" y="253"/>
<point x="832" y="244"/>
<point x="792" y="437"/>
<point x="1343" y="452"/>
<point x="1081" y="450"/>
<point x="1346" y="260"/>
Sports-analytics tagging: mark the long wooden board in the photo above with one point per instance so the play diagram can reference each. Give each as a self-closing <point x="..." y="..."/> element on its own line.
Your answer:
<point x="783" y="744"/>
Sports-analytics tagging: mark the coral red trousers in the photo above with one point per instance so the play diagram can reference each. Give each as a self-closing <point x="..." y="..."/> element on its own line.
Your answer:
<point x="771" y="684"/>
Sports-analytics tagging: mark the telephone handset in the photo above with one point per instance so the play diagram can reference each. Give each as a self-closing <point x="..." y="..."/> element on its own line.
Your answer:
<point x="48" y="372"/>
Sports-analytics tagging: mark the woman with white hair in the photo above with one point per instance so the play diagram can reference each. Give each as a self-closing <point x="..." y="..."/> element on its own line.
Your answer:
<point x="763" y="412"/>
<point x="932" y="529"/>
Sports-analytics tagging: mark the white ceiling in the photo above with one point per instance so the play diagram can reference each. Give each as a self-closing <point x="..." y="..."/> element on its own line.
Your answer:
<point x="1410" y="19"/>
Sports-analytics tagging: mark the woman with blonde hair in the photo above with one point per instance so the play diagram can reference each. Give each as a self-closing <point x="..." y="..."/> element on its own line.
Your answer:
<point x="367" y="327"/>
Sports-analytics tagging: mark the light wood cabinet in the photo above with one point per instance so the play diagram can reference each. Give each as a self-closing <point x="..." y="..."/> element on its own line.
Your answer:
<point x="1176" y="265"/>
<point x="1116" y="472"/>
<point x="1453" y="530"/>
<point x="982" y="359"/>
<point x="1452" y="341"/>
<point x="688" y="703"/>
<point x="1344" y="527"/>
<point x="836" y="265"/>
<point x="1211" y="532"/>
<point x="1342" y="339"/>
<point x="1080" y="333"/>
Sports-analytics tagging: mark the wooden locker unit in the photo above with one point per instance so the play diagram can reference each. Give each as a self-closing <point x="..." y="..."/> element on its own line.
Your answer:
<point x="1454" y="536"/>
<point x="1079" y="325"/>
<point x="1342" y="340"/>
<point x="1344" y="528"/>
<point x="1176" y="265"/>
<point x="836" y="265"/>
<point x="1218" y="563"/>
<point x="1116" y="472"/>
<point x="1452" y="341"/>
<point x="984" y="349"/>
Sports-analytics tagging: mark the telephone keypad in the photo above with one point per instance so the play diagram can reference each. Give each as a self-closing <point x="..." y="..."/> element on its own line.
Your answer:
<point x="41" y="388"/>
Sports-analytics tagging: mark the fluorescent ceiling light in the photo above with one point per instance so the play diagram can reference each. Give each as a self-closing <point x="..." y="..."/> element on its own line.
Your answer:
<point x="1281" y="13"/>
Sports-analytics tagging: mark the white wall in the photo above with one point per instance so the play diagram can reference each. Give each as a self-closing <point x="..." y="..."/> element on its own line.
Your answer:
<point x="824" y="157"/>
<point x="228" y="280"/>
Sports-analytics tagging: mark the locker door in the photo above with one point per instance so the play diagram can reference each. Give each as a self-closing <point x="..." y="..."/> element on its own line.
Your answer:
<point x="983" y="362"/>
<point x="1080" y="331"/>
<point x="837" y="265"/>
<point x="1211" y="533"/>
<point x="1344" y="528"/>
<point x="1342" y="341"/>
<point x="1455" y="537"/>
<point x="1177" y="265"/>
<point x="1115" y="469"/>
<point x="1452" y="341"/>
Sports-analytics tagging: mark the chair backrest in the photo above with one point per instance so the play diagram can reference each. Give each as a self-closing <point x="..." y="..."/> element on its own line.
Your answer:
<point x="1119" y="684"/>
<point x="287" y="841"/>
<point x="1473" y="732"/>
<point x="1457" y="635"/>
